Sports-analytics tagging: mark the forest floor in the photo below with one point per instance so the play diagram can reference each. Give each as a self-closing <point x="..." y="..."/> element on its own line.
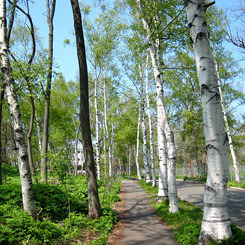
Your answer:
<point x="138" y="222"/>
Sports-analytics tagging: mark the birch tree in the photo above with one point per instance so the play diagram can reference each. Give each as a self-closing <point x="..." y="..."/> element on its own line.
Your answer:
<point x="153" y="172"/>
<point x="26" y="74"/>
<point x="216" y="222"/>
<point x="142" y="119"/>
<point x="1" y="119"/>
<point x="162" y="119"/>
<point x="232" y="150"/>
<point x="93" y="196"/>
<point x="24" y="168"/>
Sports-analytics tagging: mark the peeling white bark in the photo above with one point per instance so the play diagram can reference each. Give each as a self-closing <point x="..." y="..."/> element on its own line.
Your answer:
<point x="163" y="120"/>
<point x="233" y="154"/>
<point x="138" y="146"/>
<point x="23" y="163"/>
<point x="216" y="222"/>
<point x="142" y="104"/>
<point x="150" y="126"/>
<point x="97" y="148"/>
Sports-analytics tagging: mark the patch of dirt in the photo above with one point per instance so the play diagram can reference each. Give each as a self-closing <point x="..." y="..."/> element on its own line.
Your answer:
<point x="117" y="232"/>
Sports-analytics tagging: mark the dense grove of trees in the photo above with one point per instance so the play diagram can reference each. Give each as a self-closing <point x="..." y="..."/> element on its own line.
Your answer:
<point x="157" y="90"/>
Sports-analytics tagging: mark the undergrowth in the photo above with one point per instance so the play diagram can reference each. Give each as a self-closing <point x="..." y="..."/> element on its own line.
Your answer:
<point x="62" y="212"/>
<point x="186" y="224"/>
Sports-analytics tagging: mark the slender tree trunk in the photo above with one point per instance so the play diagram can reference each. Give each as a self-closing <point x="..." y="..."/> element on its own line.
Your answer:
<point x="106" y="130"/>
<point x="1" y="119"/>
<point x="138" y="146"/>
<point x="25" y="174"/>
<point x="112" y="149"/>
<point x="163" y="166"/>
<point x="142" y="104"/>
<point x="150" y="126"/>
<point x="163" y="121"/>
<point x="29" y="144"/>
<point x="233" y="154"/>
<point x="93" y="196"/>
<point x="39" y="135"/>
<point x="32" y="101"/>
<point x="129" y="161"/>
<point x="50" y="17"/>
<point x="216" y="222"/>
<point x="97" y="147"/>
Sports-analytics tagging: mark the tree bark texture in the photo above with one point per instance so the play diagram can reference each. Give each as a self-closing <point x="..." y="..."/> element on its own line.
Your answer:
<point x="1" y="119"/>
<point x="231" y="146"/>
<point x="216" y="222"/>
<point x="142" y="104"/>
<point x="162" y="119"/>
<point x="97" y="147"/>
<point x="138" y="146"/>
<point x="93" y="196"/>
<point x="24" y="168"/>
<point x="153" y="172"/>
<point x="50" y="17"/>
<point x="107" y="138"/>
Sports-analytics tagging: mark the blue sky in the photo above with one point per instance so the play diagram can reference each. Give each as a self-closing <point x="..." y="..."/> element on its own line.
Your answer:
<point x="65" y="56"/>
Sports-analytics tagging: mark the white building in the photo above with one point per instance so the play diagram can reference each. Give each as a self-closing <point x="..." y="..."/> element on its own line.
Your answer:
<point x="81" y="160"/>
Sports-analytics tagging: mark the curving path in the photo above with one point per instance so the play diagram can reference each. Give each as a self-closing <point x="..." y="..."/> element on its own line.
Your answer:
<point x="143" y="226"/>
<point x="193" y="192"/>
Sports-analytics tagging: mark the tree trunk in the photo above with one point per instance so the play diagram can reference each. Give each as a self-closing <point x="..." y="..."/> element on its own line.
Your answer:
<point x="216" y="222"/>
<point x="24" y="168"/>
<point x="138" y="146"/>
<point x="106" y="129"/>
<point x="150" y="126"/>
<point x="112" y="149"/>
<point x="163" y="120"/>
<point x="29" y="144"/>
<point x="50" y="16"/>
<point x="233" y="154"/>
<point x="1" y="119"/>
<point x="97" y="147"/>
<point x="142" y="104"/>
<point x="93" y="197"/>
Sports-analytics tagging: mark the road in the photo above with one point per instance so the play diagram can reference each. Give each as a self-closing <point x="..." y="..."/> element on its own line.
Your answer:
<point x="193" y="192"/>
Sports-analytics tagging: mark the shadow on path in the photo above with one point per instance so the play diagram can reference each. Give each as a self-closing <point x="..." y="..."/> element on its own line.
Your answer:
<point x="142" y="224"/>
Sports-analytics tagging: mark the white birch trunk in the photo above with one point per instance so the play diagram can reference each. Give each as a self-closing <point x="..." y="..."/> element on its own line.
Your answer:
<point x="147" y="168"/>
<point x="23" y="163"/>
<point x="138" y="146"/>
<point x="142" y="104"/>
<point x="112" y="149"/>
<point x="39" y="135"/>
<point x="216" y="222"/>
<point x="107" y="131"/>
<point x="150" y="126"/>
<point x="129" y="160"/>
<point x="97" y="148"/>
<point x="172" y="155"/>
<point x="233" y="154"/>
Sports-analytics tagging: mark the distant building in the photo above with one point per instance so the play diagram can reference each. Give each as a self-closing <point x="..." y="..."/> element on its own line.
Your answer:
<point x="81" y="160"/>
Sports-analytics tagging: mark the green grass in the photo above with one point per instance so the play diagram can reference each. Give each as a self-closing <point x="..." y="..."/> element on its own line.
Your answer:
<point x="186" y="223"/>
<point x="63" y="210"/>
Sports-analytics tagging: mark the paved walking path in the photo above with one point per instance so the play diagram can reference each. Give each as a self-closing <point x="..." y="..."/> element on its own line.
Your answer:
<point x="142" y="224"/>
<point x="193" y="192"/>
